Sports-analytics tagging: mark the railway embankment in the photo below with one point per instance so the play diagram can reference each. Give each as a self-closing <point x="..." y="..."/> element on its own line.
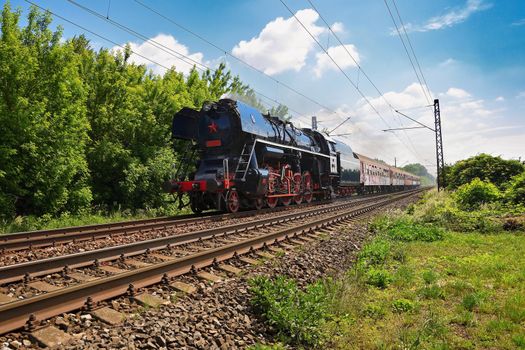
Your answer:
<point x="437" y="274"/>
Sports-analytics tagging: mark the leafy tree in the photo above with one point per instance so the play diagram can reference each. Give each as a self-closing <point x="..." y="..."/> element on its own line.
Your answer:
<point x="420" y="170"/>
<point x="42" y="119"/>
<point x="79" y="126"/>
<point x="280" y="112"/>
<point x="485" y="167"/>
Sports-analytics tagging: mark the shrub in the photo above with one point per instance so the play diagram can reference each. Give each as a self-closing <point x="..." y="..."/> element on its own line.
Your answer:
<point x="374" y="253"/>
<point x="402" y="305"/>
<point x="515" y="192"/>
<point x="295" y="315"/>
<point x="374" y="311"/>
<point x="406" y="230"/>
<point x="429" y="277"/>
<point x="379" y="278"/>
<point x="473" y="195"/>
<point x="432" y="292"/>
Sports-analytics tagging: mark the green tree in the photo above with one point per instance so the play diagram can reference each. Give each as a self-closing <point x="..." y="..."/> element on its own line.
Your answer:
<point x="42" y="119"/>
<point x="420" y="170"/>
<point x="281" y="112"/>
<point x="485" y="167"/>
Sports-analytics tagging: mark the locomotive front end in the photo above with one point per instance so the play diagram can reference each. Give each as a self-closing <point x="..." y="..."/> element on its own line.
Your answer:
<point x="204" y="170"/>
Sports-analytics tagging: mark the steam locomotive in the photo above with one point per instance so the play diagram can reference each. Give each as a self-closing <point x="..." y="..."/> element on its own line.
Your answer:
<point x="237" y="158"/>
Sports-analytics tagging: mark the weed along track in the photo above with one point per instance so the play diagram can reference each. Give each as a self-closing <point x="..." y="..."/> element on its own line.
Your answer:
<point x="163" y="261"/>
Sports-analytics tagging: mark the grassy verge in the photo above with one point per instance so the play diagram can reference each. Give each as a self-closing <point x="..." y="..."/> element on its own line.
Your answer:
<point x="416" y="285"/>
<point x="31" y="223"/>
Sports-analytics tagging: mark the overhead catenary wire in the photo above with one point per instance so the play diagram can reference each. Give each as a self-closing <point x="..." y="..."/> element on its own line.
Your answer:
<point x="406" y="50"/>
<point x="184" y="58"/>
<point x="244" y="62"/>
<point x="412" y="49"/>
<point x="365" y="98"/>
<point x="334" y="62"/>
<point x="360" y="69"/>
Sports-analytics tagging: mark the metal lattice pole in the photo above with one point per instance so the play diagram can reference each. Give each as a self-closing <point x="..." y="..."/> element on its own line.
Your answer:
<point x="439" y="147"/>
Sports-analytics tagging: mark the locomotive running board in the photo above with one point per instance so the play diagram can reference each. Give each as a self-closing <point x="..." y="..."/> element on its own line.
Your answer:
<point x="291" y="147"/>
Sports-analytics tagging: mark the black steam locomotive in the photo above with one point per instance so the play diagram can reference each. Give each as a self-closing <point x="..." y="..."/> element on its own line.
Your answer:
<point x="240" y="158"/>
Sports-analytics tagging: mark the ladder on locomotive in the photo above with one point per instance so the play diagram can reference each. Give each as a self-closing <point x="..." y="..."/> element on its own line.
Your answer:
<point x="244" y="161"/>
<point x="187" y="160"/>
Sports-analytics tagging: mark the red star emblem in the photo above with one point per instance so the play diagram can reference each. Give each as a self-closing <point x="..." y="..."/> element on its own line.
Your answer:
<point x="212" y="127"/>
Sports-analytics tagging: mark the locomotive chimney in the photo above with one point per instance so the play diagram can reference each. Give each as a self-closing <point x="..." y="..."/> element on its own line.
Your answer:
<point x="314" y="122"/>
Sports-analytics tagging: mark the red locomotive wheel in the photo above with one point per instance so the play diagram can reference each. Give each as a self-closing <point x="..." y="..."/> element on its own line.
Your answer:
<point x="271" y="202"/>
<point x="297" y="188"/>
<point x="307" y="185"/>
<point x="258" y="203"/>
<point x="232" y="201"/>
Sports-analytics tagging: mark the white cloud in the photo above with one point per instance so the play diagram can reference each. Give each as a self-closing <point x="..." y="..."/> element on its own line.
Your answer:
<point x="500" y="99"/>
<point x="469" y="127"/>
<point x="337" y="27"/>
<point x="339" y="54"/>
<point x="457" y="93"/>
<point x="283" y="44"/>
<point x="165" y="54"/>
<point x="449" y="19"/>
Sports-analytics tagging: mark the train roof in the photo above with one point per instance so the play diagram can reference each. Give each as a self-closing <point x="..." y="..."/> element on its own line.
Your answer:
<point x="383" y="165"/>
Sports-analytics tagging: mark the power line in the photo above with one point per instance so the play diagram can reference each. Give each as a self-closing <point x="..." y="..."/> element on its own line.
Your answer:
<point x="360" y="69"/>
<point x="227" y="53"/>
<point x="412" y="49"/>
<point x="166" y="49"/>
<point x="95" y="34"/>
<point x="406" y="50"/>
<point x="346" y="76"/>
<point x="336" y="64"/>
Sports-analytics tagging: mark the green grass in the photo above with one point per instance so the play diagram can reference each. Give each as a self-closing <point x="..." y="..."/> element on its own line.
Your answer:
<point x="418" y="284"/>
<point x="32" y="223"/>
<point x="465" y="291"/>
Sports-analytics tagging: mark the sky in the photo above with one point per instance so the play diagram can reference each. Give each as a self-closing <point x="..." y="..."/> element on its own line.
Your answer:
<point x="471" y="54"/>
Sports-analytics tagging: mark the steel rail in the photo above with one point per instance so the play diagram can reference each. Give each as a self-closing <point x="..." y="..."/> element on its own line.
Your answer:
<point x="44" y="238"/>
<point x="16" y="314"/>
<point x="17" y="272"/>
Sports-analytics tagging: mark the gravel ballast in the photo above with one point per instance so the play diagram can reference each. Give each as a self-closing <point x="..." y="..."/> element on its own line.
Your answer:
<point x="217" y="316"/>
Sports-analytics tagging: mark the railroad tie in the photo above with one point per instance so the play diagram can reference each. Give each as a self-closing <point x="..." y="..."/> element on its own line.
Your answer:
<point x="184" y="287"/>
<point x="51" y="337"/>
<point x="249" y="261"/>
<point x="4" y="299"/>
<point x="208" y="276"/>
<point x="150" y="300"/>
<point x="265" y="254"/>
<point x="42" y="286"/>
<point x="109" y="316"/>
<point x="231" y="269"/>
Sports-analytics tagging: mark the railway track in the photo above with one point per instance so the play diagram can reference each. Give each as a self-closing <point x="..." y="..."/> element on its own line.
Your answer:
<point x="18" y="272"/>
<point x="53" y="237"/>
<point x="264" y="233"/>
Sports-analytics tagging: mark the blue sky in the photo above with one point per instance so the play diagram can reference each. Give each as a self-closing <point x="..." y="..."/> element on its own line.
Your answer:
<point x="472" y="53"/>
